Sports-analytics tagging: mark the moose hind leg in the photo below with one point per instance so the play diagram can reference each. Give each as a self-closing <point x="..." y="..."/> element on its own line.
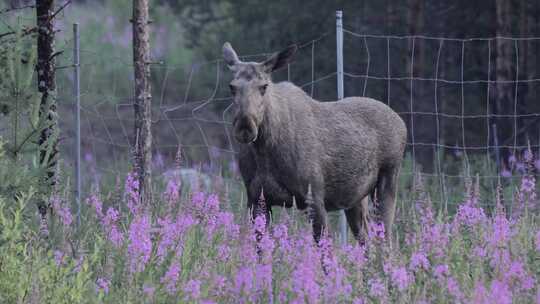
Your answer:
<point x="386" y="194"/>
<point x="357" y="217"/>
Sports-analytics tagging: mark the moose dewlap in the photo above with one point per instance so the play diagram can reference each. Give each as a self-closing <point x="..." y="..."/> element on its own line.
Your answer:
<point x="289" y="143"/>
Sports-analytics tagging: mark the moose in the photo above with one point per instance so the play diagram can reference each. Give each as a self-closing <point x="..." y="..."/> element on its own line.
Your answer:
<point x="340" y="152"/>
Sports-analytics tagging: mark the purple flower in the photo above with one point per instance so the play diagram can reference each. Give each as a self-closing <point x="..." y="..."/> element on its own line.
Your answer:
<point x="441" y="271"/>
<point x="469" y="214"/>
<point x="377" y="288"/>
<point x="259" y="225"/>
<point x="102" y="285"/>
<point x="198" y="202"/>
<point x="109" y="224"/>
<point x="376" y="230"/>
<point x="479" y="252"/>
<point x="170" y="279"/>
<point x="131" y="192"/>
<point x="520" y="167"/>
<point x="243" y="280"/>
<point x="140" y="243"/>
<point x="358" y="301"/>
<point x="453" y="288"/>
<point x="172" y="192"/>
<point x="223" y="252"/>
<point x="306" y="263"/>
<point x="400" y="278"/>
<point x="79" y="264"/>
<point x="96" y="203"/>
<point x="281" y="235"/>
<point x="500" y="231"/>
<point x="149" y="290"/>
<point x="115" y="237"/>
<point x="168" y="236"/>
<point x="528" y="185"/>
<point x="219" y="284"/>
<point x="263" y="277"/>
<point x="419" y="261"/>
<point x="226" y="220"/>
<point x="111" y="216"/>
<point x="537" y="164"/>
<point x="59" y="258"/>
<point x="500" y="293"/>
<point x="170" y="233"/>
<point x="517" y="273"/>
<point x="212" y="204"/>
<point x="480" y="294"/>
<point x="62" y="210"/>
<point x="305" y="285"/>
<point x="356" y="255"/>
<point x="192" y="289"/>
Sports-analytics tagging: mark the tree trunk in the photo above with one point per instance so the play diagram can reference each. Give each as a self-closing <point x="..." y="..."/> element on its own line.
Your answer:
<point x="47" y="87"/>
<point x="423" y="126"/>
<point x="504" y="91"/>
<point x="143" y="99"/>
<point x="527" y="69"/>
<point x="391" y="17"/>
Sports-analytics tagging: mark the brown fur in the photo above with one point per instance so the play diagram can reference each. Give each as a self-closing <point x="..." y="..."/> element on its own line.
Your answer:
<point x="346" y="150"/>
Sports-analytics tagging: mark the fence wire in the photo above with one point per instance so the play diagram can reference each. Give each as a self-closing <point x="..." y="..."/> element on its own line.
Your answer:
<point x="193" y="110"/>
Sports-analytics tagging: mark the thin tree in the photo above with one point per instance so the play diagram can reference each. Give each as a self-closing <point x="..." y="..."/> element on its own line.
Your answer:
<point x="48" y="141"/>
<point x="504" y="89"/>
<point x="143" y="98"/>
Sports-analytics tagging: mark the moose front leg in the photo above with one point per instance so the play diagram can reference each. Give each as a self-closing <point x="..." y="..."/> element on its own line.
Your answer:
<point x="319" y="221"/>
<point x="317" y="213"/>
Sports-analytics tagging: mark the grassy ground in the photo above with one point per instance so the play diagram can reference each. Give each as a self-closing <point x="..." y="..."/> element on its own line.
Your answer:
<point x="196" y="244"/>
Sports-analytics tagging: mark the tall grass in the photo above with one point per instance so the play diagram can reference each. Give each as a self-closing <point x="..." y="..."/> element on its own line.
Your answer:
<point x="197" y="245"/>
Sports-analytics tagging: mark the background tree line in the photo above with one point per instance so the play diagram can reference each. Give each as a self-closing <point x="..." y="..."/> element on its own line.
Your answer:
<point x="188" y="31"/>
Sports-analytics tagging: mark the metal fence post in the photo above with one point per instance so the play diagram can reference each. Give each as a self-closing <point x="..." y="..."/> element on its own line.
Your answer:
<point x="339" y="53"/>
<point x="77" y="93"/>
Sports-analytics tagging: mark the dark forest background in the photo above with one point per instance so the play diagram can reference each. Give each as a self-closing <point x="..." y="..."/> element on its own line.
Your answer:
<point x="476" y="88"/>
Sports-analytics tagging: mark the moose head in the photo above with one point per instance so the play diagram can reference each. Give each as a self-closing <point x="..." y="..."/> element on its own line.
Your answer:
<point x="251" y="89"/>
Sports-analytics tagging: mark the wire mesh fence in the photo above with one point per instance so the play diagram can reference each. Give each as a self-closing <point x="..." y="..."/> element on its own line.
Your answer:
<point x="448" y="109"/>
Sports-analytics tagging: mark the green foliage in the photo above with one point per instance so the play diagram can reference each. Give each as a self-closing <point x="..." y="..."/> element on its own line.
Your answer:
<point x="28" y="269"/>
<point x="20" y="102"/>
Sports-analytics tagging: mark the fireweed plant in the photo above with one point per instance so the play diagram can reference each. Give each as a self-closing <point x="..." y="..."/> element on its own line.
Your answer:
<point x="190" y="246"/>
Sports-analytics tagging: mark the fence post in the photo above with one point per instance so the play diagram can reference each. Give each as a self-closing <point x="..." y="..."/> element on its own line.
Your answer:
<point x="339" y="53"/>
<point x="77" y="93"/>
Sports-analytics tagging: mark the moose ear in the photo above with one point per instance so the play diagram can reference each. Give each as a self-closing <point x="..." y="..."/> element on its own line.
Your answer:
<point x="229" y="55"/>
<point x="279" y="60"/>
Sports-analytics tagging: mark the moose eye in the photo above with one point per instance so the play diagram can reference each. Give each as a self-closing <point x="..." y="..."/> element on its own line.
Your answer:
<point x="233" y="89"/>
<point x="262" y="88"/>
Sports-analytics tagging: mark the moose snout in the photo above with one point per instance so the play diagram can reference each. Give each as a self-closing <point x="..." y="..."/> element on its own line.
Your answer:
<point x="245" y="130"/>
